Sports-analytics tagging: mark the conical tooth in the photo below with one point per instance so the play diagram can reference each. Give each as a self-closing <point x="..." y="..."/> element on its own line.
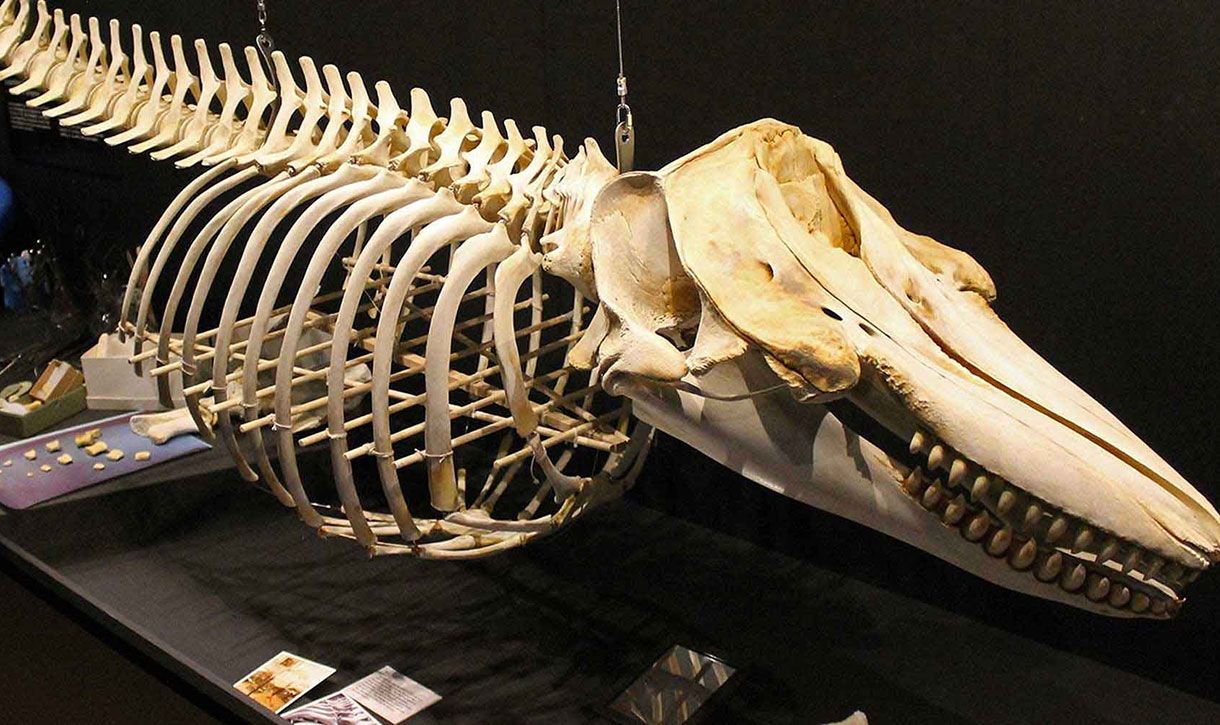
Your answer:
<point x="1154" y="567"/>
<point x="1024" y="556"/>
<point x="1140" y="602"/>
<point x="1057" y="529"/>
<point x="1033" y="515"/>
<point x="1073" y="578"/>
<point x="1083" y="538"/>
<point x="1098" y="588"/>
<point x="936" y="456"/>
<point x="1159" y="606"/>
<point x="1108" y="550"/>
<point x="914" y="482"/>
<point x="979" y="489"/>
<point x="957" y="472"/>
<point x="955" y="511"/>
<point x="919" y="442"/>
<point x="1049" y="569"/>
<point x="1132" y="560"/>
<point x="932" y="496"/>
<point x="999" y="542"/>
<point x="977" y="528"/>
<point x="1008" y="499"/>
<point x="1119" y="596"/>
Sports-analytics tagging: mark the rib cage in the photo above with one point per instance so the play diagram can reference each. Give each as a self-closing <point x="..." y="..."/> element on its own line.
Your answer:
<point x="431" y="205"/>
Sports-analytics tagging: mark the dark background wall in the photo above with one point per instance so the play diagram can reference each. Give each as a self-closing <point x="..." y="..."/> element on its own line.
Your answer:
<point x="1072" y="148"/>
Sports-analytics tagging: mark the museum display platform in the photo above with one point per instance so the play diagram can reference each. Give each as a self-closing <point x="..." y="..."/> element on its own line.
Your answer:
<point x="210" y="577"/>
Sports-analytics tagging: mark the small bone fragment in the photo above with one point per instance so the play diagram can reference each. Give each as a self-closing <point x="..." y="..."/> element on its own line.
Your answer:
<point x="53" y="445"/>
<point x="115" y="454"/>
<point x="88" y="438"/>
<point x="64" y="460"/>
<point x="160" y="427"/>
<point x="99" y="466"/>
<point x="45" y="468"/>
<point x="31" y="454"/>
<point x="143" y="455"/>
<point x="97" y="448"/>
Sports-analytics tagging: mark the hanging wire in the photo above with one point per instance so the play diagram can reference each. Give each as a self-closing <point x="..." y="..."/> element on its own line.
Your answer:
<point x="624" y="130"/>
<point x="266" y="46"/>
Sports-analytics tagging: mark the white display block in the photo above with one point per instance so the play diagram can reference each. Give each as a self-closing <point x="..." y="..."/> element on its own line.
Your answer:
<point x="112" y="382"/>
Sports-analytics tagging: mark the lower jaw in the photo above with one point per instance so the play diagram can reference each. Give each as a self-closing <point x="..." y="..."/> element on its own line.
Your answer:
<point x="1056" y="556"/>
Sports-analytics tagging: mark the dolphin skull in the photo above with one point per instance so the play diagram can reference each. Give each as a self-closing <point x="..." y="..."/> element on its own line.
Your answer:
<point x="755" y="265"/>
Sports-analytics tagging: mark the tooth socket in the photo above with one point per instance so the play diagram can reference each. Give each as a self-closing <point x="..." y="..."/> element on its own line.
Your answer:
<point x="1050" y="568"/>
<point x="1024" y="557"/>
<point x="977" y="528"/>
<point x="1098" y="587"/>
<point x="1119" y="596"/>
<point x="1073" y="578"/>
<point x="999" y="542"/>
<point x="1140" y="602"/>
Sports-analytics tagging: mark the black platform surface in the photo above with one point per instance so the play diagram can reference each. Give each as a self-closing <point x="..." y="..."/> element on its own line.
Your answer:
<point x="212" y="577"/>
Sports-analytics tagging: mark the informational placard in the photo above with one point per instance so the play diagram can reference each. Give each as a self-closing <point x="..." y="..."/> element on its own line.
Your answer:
<point x="392" y="695"/>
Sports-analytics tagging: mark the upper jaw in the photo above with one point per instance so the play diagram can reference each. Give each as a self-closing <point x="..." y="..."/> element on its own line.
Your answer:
<point x="1032" y="489"/>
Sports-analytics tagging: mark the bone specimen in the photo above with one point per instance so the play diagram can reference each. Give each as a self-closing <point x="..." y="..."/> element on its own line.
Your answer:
<point x="479" y="287"/>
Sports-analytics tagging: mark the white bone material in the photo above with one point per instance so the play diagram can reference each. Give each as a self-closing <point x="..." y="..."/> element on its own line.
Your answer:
<point x="726" y="299"/>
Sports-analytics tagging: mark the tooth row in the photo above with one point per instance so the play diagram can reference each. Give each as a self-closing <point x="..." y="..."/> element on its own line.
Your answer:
<point x="1007" y="522"/>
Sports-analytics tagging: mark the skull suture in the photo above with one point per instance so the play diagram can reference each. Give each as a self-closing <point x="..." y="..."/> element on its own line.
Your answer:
<point x="761" y="248"/>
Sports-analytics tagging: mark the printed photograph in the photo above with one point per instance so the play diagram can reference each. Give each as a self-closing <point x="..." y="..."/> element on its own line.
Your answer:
<point x="282" y="679"/>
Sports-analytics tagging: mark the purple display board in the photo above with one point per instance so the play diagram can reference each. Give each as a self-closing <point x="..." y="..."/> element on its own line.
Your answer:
<point x="23" y="483"/>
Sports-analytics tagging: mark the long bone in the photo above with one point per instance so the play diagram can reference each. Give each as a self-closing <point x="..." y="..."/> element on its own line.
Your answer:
<point x="339" y="195"/>
<point x="359" y="213"/>
<point x="421" y="213"/>
<point x="196" y="248"/>
<point x="472" y="257"/>
<point x="432" y="239"/>
<point x="205" y="195"/>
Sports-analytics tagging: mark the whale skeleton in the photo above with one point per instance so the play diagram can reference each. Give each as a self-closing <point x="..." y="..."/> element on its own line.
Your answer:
<point x="748" y="299"/>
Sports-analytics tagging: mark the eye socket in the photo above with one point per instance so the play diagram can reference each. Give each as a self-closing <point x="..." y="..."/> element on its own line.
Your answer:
<point x="832" y="314"/>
